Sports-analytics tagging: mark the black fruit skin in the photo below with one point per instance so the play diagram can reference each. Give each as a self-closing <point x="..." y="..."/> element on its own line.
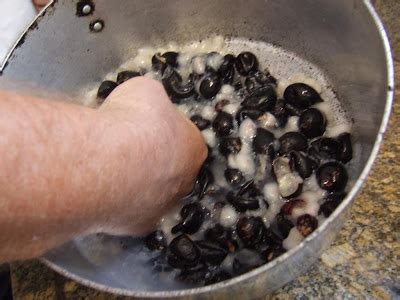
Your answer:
<point x="191" y="208"/>
<point x="249" y="189"/>
<point x="312" y="123"/>
<point x="280" y="112"/>
<point x="301" y="95"/>
<point x="263" y="141"/>
<point x="223" y="124"/>
<point x="332" y="201"/>
<point x="204" y="179"/>
<point x="171" y="58"/>
<point x="245" y="63"/>
<point x="251" y="84"/>
<point x="284" y="225"/>
<point x="262" y="99"/>
<point x="215" y="233"/>
<point x="211" y="253"/>
<point x="258" y="79"/>
<point x="182" y="252"/>
<point x="293" y="141"/>
<point x="245" y="112"/>
<point x="233" y="176"/>
<point x="105" y="90"/>
<point x="264" y="77"/>
<point x="230" y="145"/>
<point x="273" y="252"/>
<point x="126" y="75"/>
<point x="242" y="204"/>
<point x="200" y="122"/>
<point x="156" y="240"/>
<point x="306" y="224"/>
<point x="300" y="163"/>
<point x="293" y="110"/>
<point x="159" y="63"/>
<point x="210" y="85"/>
<point x="239" y="88"/>
<point x="223" y="237"/>
<point x="227" y="69"/>
<point x="332" y="177"/>
<point x="288" y="207"/>
<point x="192" y="215"/>
<point x="175" y="87"/>
<point x="325" y="148"/>
<point x="251" y="230"/>
<point x="345" y="147"/>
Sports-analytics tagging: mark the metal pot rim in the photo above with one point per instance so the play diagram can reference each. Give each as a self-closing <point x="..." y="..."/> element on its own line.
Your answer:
<point x="265" y="268"/>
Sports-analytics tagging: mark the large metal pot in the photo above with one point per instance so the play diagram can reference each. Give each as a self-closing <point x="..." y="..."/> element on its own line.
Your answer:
<point x="343" y="37"/>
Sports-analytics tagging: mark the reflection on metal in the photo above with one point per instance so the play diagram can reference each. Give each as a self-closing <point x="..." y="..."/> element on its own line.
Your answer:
<point x="97" y="26"/>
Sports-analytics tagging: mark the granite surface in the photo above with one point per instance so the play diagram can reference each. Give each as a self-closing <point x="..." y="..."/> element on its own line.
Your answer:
<point x="389" y="10"/>
<point x="364" y="261"/>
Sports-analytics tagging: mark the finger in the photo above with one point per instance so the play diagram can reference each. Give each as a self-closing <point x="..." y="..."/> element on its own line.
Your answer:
<point x="40" y="3"/>
<point x="138" y="92"/>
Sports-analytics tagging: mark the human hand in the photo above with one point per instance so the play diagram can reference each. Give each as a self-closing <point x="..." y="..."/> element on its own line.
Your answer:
<point x="172" y="152"/>
<point x="74" y="171"/>
<point x="39" y="4"/>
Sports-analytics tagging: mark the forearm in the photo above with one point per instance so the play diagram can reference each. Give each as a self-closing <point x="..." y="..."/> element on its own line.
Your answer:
<point x="58" y="162"/>
<point x="68" y="170"/>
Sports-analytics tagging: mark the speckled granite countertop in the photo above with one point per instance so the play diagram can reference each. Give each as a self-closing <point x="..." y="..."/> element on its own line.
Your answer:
<point x="364" y="261"/>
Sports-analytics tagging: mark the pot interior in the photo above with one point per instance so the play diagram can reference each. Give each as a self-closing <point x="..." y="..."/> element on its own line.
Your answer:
<point x="61" y="54"/>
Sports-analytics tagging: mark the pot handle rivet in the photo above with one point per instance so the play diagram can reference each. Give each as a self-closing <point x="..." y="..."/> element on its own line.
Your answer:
<point x="97" y="26"/>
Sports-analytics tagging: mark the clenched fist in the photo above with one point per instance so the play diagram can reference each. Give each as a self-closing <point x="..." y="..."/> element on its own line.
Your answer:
<point x="69" y="171"/>
<point x="171" y="147"/>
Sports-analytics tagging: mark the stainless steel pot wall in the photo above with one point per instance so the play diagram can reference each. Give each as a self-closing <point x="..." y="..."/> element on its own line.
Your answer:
<point x="343" y="37"/>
